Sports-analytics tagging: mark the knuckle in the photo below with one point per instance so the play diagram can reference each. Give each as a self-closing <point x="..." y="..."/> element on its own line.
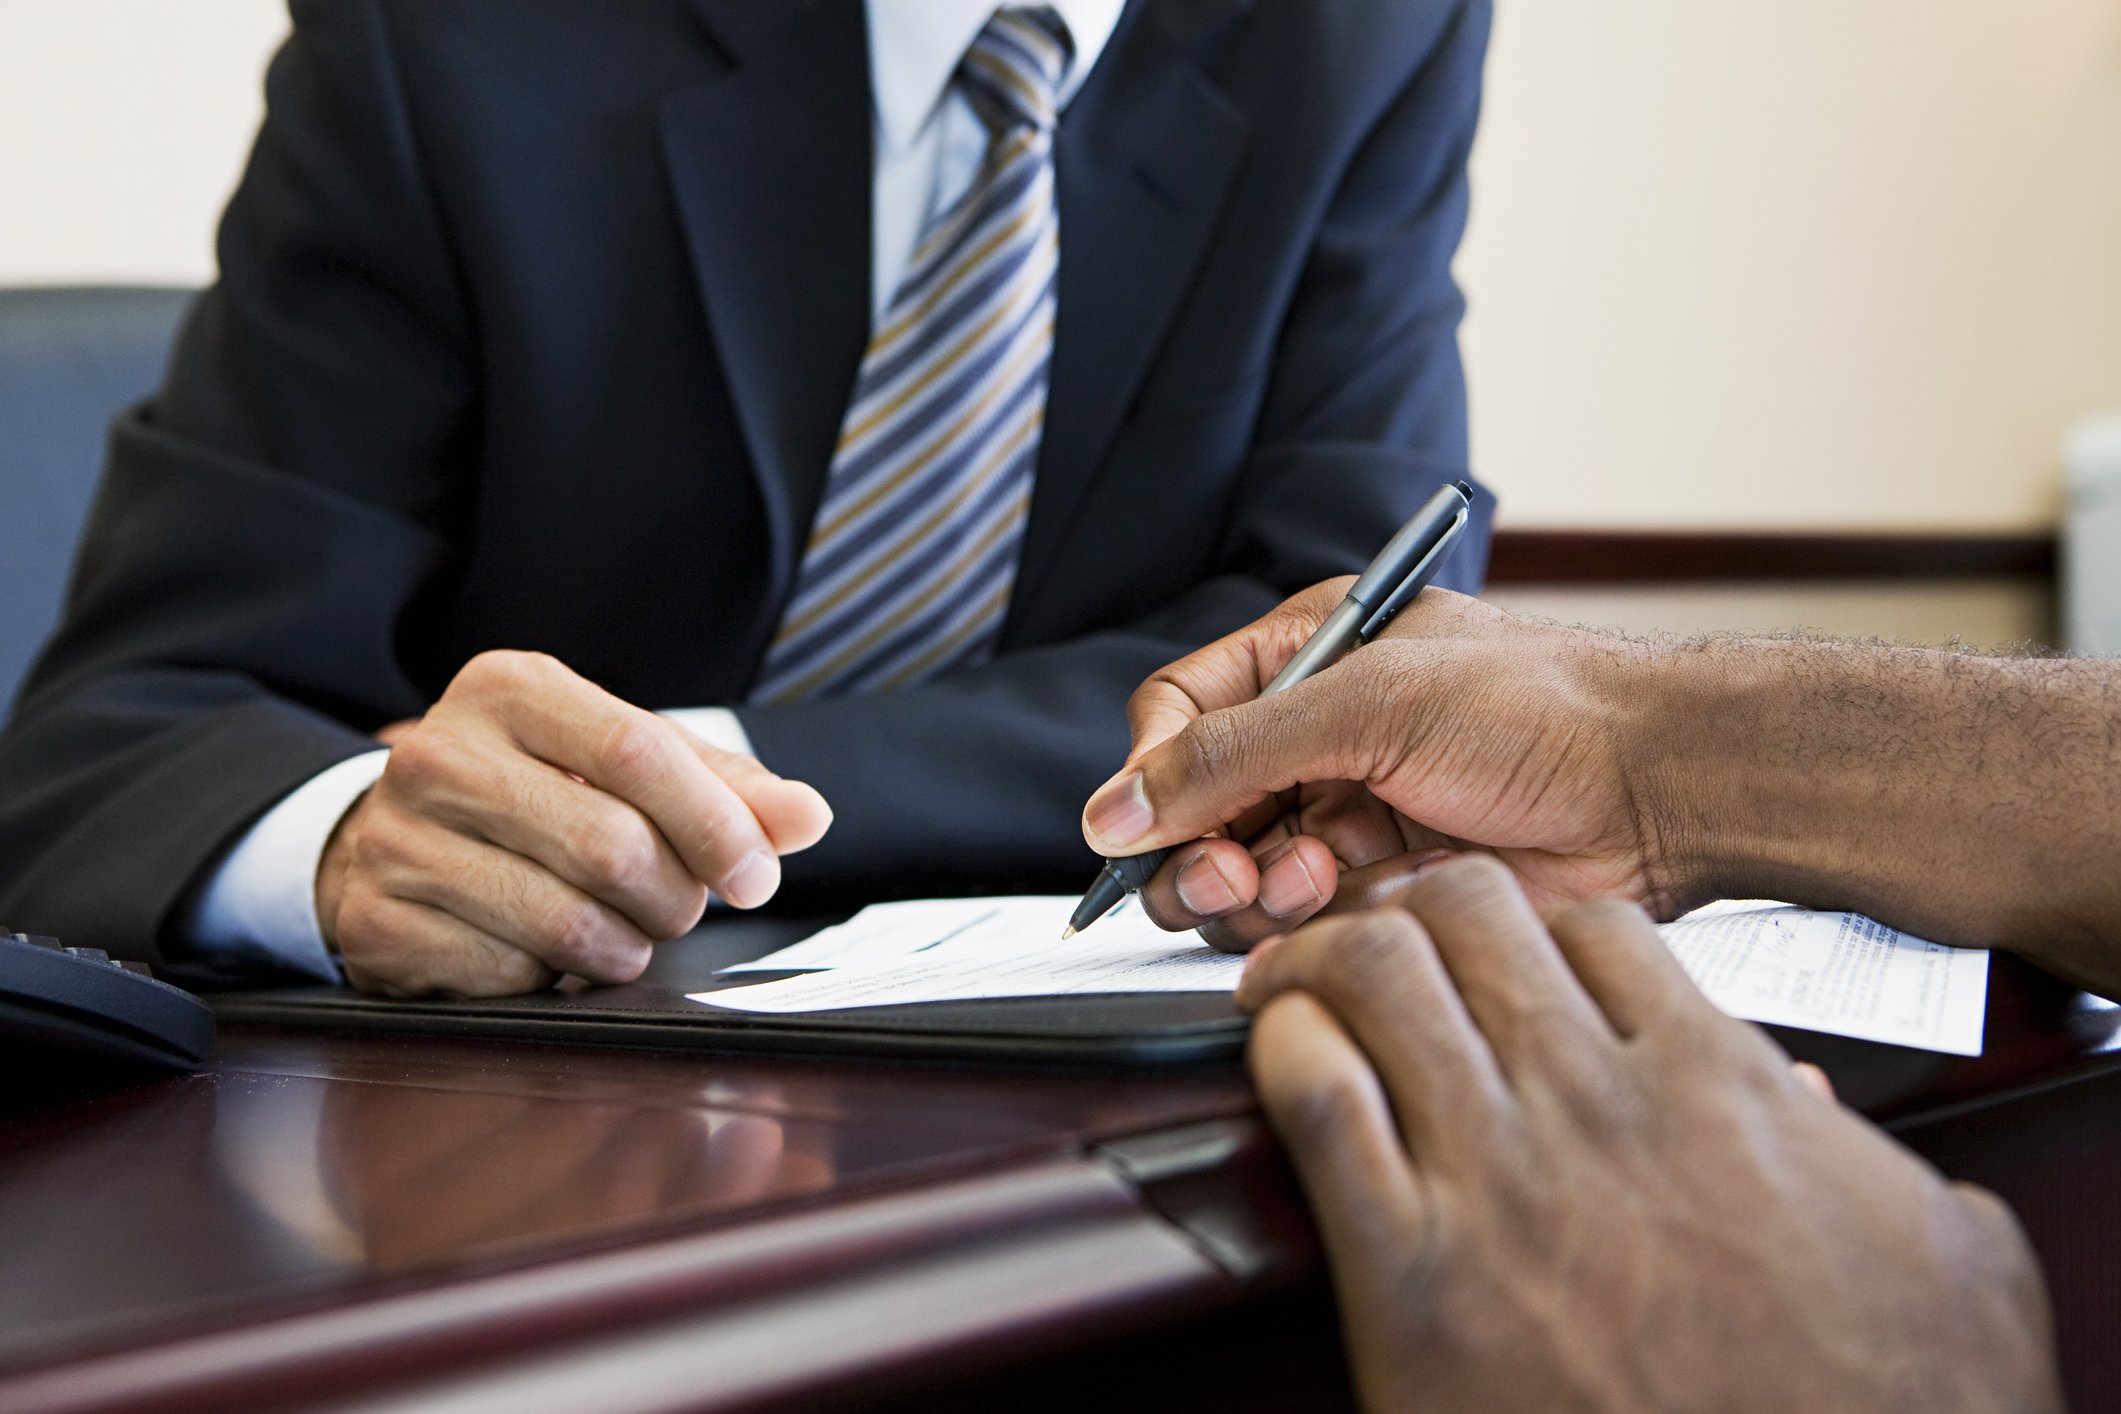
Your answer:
<point x="362" y="980"/>
<point x="1713" y="1049"/>
<point x="615" y="854"/>
<point x="505" y="670"/>
<point x="2002" y="1254"/>
<point x="1311" y="1107"/>
<point x="380" y="951"/>
<point x="493" y="670"/>
<point x="574" y="933"/>
<point x="1736" y="1048"/>
<point x="619" y="860"/>
<point x="673" y="912"/>
<point x="677" y="914"/>
<point x="723" y="832"/>
<point x="517" y="971"/>
<point x="381" y="860"/>
<point x="1368" y="947"/>
<point x="1472" y="879"/>
<point x="420" y="760"/>
<point x="634" y="745"/>
<point x="1475" y="886"/>
<point x="1143" y="694"/>
<point x="1731" y="1056"/>
<point x="370" y="850"/>
<point x="484" y="967"/>
<point x="1213" y="746"/>
<point x="1150" y="696"/>
<point x="1992" y="1217"/>
<point x="361" y="929"/>
<point x="1314" y="1110"/>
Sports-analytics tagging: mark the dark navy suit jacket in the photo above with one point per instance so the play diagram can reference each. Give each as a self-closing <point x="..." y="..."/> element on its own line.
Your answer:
<point x="535" y="326"/>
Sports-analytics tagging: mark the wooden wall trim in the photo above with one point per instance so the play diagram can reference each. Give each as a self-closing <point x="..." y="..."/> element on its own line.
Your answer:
<point x="1655" y="556"/>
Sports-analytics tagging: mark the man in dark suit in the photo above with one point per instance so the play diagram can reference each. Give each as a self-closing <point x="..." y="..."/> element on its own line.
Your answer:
<point x="879" y="390"/>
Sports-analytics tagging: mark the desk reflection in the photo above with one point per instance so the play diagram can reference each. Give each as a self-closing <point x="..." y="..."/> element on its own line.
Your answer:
<point x="390" y="1178"/>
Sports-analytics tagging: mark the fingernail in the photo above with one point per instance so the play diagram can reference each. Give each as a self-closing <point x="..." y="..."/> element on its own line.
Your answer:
<point x="1119" y="814"/>
<point x="1285" y="882"/>
<point x="753" y="880"/>
<point x="1203" y="889"/>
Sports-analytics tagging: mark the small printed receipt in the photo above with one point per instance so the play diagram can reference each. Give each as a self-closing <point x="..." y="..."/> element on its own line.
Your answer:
<point x="1835" y="972"/>
<point x="1840" y="973"/>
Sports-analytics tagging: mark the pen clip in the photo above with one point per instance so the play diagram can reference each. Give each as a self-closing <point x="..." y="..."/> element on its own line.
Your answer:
<point x="1417" y="579"/>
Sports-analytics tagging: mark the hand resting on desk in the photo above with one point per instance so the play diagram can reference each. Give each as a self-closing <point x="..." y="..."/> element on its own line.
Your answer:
<point x="532" y="824"/>
<point x="1551" y="1175"/>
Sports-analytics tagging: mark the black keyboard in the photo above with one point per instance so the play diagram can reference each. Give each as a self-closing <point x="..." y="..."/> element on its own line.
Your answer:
<point x="57" y="998"/>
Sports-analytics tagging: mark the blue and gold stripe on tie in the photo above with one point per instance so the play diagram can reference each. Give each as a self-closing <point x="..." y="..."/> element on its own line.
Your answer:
<point x="913" y="555"/>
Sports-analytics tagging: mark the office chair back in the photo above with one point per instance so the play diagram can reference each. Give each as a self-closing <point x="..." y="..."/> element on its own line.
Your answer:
<point x="70" y="360"/>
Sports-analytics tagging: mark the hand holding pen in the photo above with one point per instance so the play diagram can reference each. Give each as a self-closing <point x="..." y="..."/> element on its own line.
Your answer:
<point x="1295" y="869"/>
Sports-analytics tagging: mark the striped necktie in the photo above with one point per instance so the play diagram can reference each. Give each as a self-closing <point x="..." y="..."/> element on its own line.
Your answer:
<point x="913" y="555"/>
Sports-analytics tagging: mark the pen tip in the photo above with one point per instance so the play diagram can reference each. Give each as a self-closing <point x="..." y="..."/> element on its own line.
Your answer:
<point x="1067" y="933"/>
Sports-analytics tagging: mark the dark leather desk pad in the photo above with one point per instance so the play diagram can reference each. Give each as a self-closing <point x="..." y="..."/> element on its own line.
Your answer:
<point x="1117" y="1030"/>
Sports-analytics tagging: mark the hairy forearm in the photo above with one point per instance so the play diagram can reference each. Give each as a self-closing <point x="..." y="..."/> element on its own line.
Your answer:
<point x="1971" y="800"/>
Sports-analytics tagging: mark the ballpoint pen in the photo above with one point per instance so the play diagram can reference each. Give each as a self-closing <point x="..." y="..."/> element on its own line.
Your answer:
<point x="1401" y="570"/>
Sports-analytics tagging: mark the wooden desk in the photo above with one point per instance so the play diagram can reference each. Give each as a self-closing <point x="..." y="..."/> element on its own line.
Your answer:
<point x="372" y="1222"/>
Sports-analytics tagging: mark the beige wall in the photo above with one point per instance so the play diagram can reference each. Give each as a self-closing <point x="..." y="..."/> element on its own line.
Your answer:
<point x="123" y="124"/>
<point x="1794" y="262"/>
<point x="1801" y="262"/>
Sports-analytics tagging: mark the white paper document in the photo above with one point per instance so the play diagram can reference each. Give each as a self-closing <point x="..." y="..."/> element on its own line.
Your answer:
<point x="1834" y="972"/>
<point x="890" y="930"/>
<point x="1841" y="973"/>
<point x="967" y="949"/>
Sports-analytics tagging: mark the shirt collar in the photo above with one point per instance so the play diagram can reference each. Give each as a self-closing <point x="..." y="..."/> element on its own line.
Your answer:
<point x="915" y="46"/>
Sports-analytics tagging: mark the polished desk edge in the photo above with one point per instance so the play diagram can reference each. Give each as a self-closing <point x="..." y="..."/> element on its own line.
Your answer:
<point x="1033" y="1223"/>
<point x="1902" y="1122"/>
<point x="849" y="1341"/>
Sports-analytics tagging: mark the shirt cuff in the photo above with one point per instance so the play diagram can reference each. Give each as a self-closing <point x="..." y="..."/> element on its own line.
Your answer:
<point x="717" y="726"/>
<point x="260" y="907"/>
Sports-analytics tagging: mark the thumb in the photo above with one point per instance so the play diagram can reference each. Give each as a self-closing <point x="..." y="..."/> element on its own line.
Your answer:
<point x="1230" y="671"/>
<point x="1222" y="764"/>
<point x="792" y="813"/>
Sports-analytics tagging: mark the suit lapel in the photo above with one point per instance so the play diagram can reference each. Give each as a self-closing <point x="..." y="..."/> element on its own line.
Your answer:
<point x="771" y="169"/>
<point x="1146" y="154"/>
